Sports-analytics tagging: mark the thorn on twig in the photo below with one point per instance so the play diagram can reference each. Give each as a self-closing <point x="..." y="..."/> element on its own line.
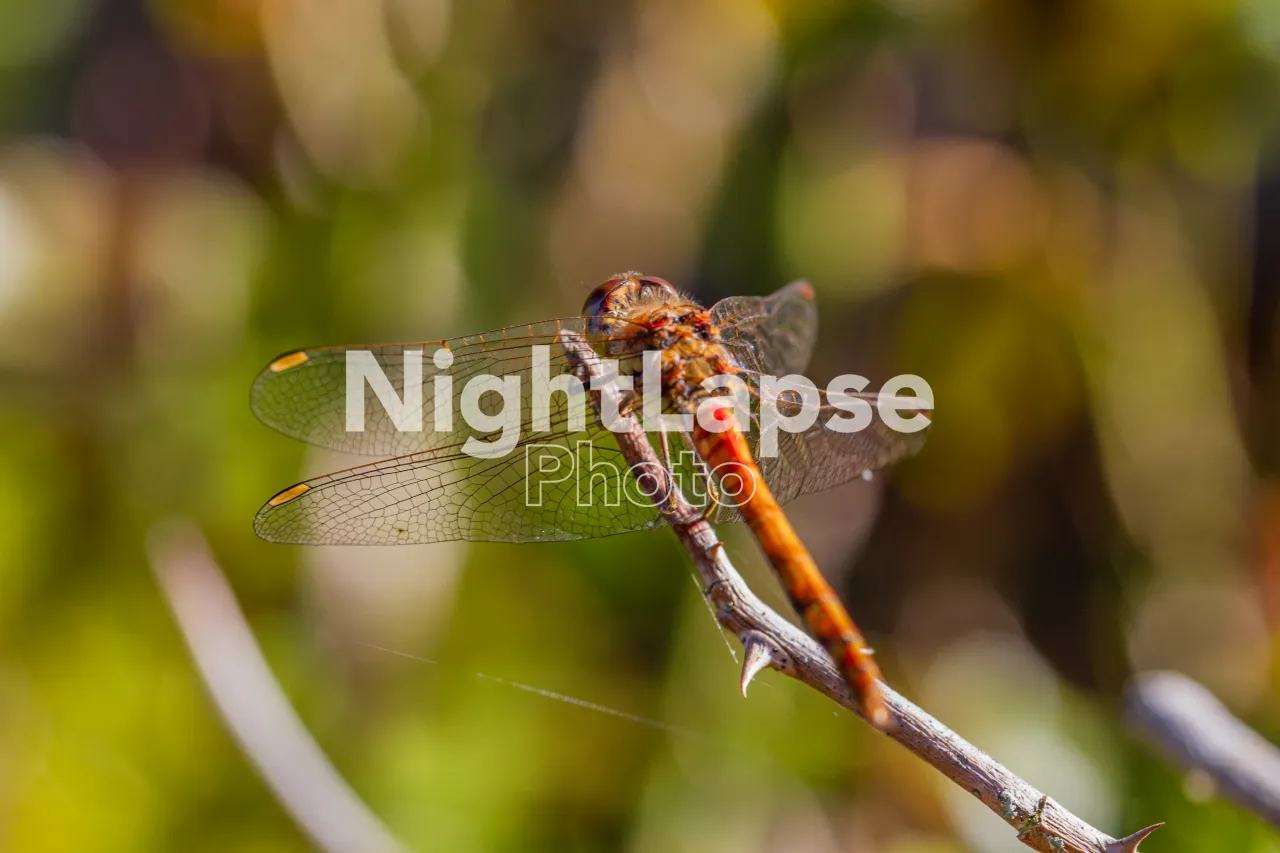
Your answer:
<point x="1129" y="844"/>
<point x="758" y="653"/>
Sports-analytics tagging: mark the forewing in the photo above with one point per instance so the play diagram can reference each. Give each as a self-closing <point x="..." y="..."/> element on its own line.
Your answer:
<point x="303" y="394"/>
<point x="571" y="486"/>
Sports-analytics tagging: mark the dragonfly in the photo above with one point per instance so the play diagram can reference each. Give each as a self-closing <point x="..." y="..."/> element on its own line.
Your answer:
<point x="429" y="485"/>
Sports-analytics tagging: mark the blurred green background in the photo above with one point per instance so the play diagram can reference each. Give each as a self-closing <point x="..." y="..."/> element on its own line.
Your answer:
<point x="1062" y="213"/>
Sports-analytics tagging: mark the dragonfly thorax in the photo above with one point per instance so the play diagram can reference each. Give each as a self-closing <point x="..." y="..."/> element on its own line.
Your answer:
<point x="691" y="351"/>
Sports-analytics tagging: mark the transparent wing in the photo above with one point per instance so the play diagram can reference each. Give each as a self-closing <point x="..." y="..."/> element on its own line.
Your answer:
<point x="560" y="483"/>
<point x="571" y="486"/>
<point x="774" y="335"/>
<point x="303" y="394"/>
<point x="771" y="334"/>
<point x="820" y="458"/>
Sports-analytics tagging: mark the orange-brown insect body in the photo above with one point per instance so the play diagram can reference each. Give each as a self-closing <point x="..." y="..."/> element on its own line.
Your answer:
<point x="673" y="324"/>
<point x="808" y="590"/>
<point x="691" y="351"/>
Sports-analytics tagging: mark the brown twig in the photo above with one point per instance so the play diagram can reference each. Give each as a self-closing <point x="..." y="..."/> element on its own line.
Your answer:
<point x="1196" y="731"/>
<point x="770" y="640"/>
<point x="255" y="709"/>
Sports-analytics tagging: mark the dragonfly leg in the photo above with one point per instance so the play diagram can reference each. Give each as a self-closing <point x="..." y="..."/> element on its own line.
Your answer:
<point x="713" y="504"/>
<point x="713" y="496"/>
<point x="713" y="492"/>
<point x="665" y="452"/>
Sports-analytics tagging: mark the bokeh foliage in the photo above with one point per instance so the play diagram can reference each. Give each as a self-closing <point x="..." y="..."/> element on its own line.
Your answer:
<point x="1062" y="214"/>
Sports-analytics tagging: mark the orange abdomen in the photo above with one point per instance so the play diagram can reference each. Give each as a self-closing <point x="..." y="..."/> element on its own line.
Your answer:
<point x="728" y="455"/>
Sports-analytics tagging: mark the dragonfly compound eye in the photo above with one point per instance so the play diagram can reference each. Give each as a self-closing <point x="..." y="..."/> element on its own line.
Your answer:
<point x="651" y="283"/>
<point x="622" y="291"/>
<point x="607" y="298"/>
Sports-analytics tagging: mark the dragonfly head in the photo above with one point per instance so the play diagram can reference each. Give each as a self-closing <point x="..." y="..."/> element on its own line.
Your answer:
<point x="617" y="303"/>
<point x="624" y="294"/>
<point x="633" y="312"/>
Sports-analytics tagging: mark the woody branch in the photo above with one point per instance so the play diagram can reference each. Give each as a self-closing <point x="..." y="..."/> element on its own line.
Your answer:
<point x="770" y="641"/>
<point x="1195" y="731"/>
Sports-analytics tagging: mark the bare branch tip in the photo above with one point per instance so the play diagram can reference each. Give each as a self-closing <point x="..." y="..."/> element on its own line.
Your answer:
<point x="1129" y="844"/>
